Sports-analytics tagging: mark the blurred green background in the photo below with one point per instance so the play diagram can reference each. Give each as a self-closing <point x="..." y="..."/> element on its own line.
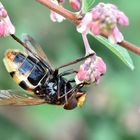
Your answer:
<point x="112" y="108"/>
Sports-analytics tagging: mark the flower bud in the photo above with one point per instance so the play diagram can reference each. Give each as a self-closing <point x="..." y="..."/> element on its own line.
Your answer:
<point x="54" y="16"/>
<point x="75" y="4"/>
<point x="91" y="70"/>
<point x="86" y="21"/>
<point x="6" y="27"/>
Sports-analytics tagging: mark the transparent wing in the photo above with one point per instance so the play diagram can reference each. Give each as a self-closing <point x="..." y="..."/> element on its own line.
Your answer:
<point x="35" y="47"/>
<point x="9" y="97"/>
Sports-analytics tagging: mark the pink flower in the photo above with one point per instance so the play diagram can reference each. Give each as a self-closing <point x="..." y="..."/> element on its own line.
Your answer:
<point x="91" y="70"/>
<point x="104" y="19"/>
<point x="6" y="27"/>
<point x="54" y="16"/>
<point x="100" y="65"/>
<point x="75" y="4"/>
<point x="115" y="36"/>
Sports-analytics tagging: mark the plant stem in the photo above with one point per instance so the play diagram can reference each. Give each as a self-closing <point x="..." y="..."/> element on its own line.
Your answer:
<point x="131" y="47"/>
<point x="86" y="44"/>
<point x="74" y="19"/>
<point x="60" y="10"/>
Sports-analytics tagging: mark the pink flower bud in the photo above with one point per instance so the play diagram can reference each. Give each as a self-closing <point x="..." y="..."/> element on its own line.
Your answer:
<point x="122" y="19"/>
<point x="95" y="28"/>
<point x="100" y="64"/>
<point x="6" y="27"/>
<point x="3" y="12"/>
<point x="84" y="25"/>
<point x="116" y="36"/>
<point x="54" y="16"/>
<point x="91" y="70"/>
<point x="75" y="4"/>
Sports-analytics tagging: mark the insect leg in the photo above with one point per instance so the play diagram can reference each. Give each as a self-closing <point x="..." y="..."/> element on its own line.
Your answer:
<point x="65" y="91"/>
<point x="59" y="81"/>
<point x="71" y="81"/>
<point x="68" y="72"/>
<point x="76" y="61"/>
<point x="73" y="90"/>
<point x="70" y="102"/>
<point x="76" y="98"/>
<point x="59" y="86"/>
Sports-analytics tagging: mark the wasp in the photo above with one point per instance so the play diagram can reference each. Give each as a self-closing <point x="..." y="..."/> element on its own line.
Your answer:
<point x="32" y="71"/>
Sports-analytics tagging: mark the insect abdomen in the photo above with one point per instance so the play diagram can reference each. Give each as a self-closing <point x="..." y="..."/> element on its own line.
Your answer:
<point x="36" y="75"/>
<point x="25" y="70"/>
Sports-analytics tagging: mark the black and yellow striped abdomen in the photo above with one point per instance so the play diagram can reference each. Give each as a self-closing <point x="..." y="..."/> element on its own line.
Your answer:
<point x="25" y="70"/>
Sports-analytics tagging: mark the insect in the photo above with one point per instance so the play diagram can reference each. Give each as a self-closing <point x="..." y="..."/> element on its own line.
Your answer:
<point x="32" y="71"/>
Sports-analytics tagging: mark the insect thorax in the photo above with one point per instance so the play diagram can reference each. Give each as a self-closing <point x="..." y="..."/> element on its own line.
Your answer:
<point x="49" y="90"/>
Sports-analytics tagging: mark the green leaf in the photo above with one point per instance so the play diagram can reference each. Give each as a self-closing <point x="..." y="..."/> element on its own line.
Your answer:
<point x="121" y="52"/>
<point x="87" y="5"/>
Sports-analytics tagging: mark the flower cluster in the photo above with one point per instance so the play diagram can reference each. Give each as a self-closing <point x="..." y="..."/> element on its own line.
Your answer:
<point x="103" y="19"/>
<point x="75" y="4"/>
<point x="91" y="70"/>
<point x="6" y="27"/>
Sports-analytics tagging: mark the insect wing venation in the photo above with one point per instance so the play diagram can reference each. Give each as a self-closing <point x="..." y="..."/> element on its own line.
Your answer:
<point x="9" y="97"/>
